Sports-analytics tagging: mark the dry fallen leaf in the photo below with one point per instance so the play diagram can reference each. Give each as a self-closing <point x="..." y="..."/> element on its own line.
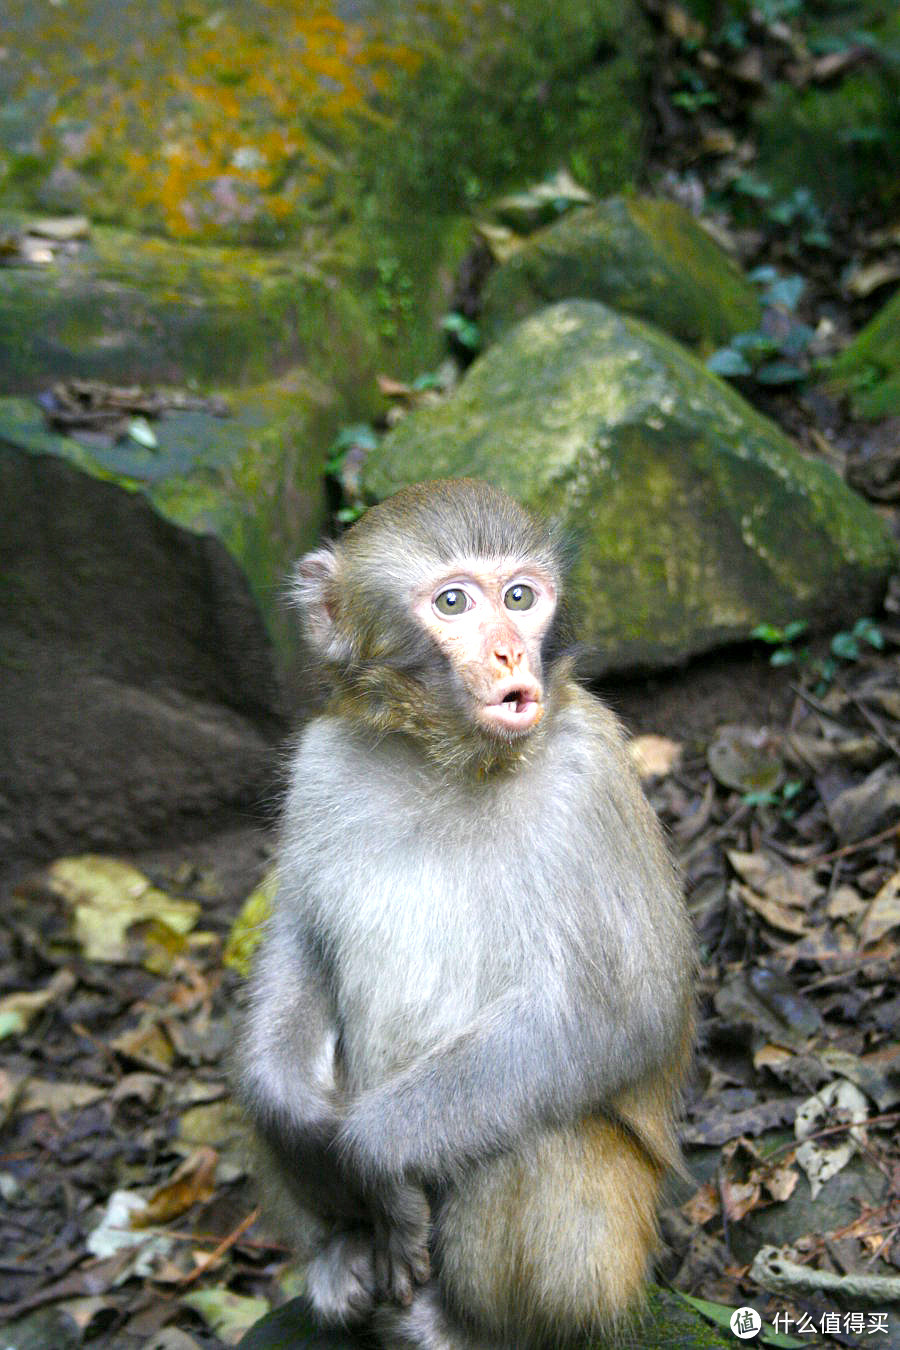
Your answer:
<point x="17" y="1010"/>
<point x="36" y="1094"/>
<point x="654" y="756"/>
<point x="778" y="915"/>
<point x="883" y="913"/>
<point x="821" y="1161"/>
<point x="775" y="878"/>
<point x="192" y="1181"/>
<point x="107" y="897"/>
<point x="703" y="1205"/>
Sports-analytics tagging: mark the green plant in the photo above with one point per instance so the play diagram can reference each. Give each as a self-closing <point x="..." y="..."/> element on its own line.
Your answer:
<point x="774" y="353"/>
<point x="847" y="646"/>
<point x="781" y="798"/>
<point x="466" y="332"/>
<point x="694" y="93"/>
<point x="346" y="457"/>
<point x="782" y="639"/>
<point x="799" y="211"/>
<point x="393" y="296"/>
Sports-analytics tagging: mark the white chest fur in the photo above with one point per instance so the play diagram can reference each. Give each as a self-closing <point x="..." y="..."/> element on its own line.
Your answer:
<point x="412" y="896"/>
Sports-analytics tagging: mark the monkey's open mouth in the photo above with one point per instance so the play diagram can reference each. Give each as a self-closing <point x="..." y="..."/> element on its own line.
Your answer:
<point x="514" y="707"/>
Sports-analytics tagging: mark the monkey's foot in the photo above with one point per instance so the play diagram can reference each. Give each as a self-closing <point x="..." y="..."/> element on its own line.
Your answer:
<point x="424" y="1325"/>
<point x="340" y="1280"/>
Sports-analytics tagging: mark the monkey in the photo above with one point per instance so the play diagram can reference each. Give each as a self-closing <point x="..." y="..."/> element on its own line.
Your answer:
<point x="472" y="1012"/>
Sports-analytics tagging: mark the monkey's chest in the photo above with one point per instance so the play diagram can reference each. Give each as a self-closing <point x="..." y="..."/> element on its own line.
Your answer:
<point x="416" y="953"/>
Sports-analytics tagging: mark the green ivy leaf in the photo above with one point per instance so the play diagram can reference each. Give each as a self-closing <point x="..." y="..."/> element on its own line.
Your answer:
<point x="786" y="292"/>
<point x="727" y="361"/>
<point x="780" y="372"/>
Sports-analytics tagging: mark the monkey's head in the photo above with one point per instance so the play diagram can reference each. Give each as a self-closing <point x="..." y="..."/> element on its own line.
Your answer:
<point x="435" y="613"/>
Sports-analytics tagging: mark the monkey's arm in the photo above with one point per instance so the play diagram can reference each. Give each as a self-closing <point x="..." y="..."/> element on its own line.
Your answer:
<point x="288" y="1058"/>
<point x="527" y="1060"/>
<point x="290" y="1084"/>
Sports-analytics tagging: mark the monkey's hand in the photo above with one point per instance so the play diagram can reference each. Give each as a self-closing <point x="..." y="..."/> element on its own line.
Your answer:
<point x="402" y="1226"/>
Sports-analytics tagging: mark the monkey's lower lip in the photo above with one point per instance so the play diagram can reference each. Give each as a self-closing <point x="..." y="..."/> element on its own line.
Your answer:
<point x="513" y="714"/>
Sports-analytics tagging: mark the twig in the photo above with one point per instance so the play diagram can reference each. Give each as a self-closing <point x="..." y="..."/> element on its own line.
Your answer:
<point x="224" y="1246"/>
<point x="880" y="734"/>
<point x="833" y="1129"/>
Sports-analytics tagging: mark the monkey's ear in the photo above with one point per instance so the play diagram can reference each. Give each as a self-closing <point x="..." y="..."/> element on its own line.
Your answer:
<point x="314" y="592"/>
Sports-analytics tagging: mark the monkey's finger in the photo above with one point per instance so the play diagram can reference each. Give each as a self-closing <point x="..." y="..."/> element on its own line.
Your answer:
<point x="382" y="1262"/>
<point x="420" y="1264"/>
<point x="402" y="1290"/>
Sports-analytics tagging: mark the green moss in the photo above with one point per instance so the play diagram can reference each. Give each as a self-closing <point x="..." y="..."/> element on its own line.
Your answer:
<point x="254" y="479"/>
<point x="524" y="92"/>
<point x="645" y="256"/>
<point x="834" y="140"/>
<point x="869" y="369"/>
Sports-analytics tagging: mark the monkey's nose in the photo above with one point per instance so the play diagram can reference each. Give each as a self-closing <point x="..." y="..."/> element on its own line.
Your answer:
<point x="507" y="650"/>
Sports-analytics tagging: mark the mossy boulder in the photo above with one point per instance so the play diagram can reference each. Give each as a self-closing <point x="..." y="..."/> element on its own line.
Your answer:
<point x="253" y="478"/>
<point x="869" y="369"/>
<point x="694" y="516"/>
<point x="645" y="256"/>
<point x="140" y="696"/>
<point x="836" y="139"/>
<point x="125" y="307"/>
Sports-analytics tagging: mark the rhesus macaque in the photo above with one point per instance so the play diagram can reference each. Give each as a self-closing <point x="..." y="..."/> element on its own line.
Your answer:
<point x="473" y="1010"/>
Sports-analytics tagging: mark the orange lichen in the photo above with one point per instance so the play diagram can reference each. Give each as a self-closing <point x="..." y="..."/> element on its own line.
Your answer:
<point x="200" y="117"/>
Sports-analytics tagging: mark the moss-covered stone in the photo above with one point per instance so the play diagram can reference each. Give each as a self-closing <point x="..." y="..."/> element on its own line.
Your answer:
<point x="695" y="516"/>
<point x="505" y="94"/>
<point x="254" y="479"/>
<point x="836" y="139"/>
<point x="869" y="369"/>
<point x="645" y="256"/>
<point x="130" y="307"/>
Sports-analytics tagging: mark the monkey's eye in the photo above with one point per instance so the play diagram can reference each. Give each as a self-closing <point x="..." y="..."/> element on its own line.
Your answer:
<point x="452" y="601"/>
<point x="519" y="597"/>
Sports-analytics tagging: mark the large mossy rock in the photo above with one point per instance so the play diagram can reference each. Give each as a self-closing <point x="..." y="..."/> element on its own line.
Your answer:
<point x="695" y="517"/>
<point x="869" y="369"/>
<point x="139" y="692"/>
<point x="121" y="307"/>
<point x="645" y="256"/>
<point x="253" y="478"/>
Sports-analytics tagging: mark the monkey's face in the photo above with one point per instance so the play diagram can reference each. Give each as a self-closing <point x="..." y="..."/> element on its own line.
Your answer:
<point x="488" y="618"/>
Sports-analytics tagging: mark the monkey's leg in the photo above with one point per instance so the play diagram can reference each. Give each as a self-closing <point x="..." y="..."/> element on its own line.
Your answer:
<point x="553" y="1243"/>
<point x="426" y="1325"/>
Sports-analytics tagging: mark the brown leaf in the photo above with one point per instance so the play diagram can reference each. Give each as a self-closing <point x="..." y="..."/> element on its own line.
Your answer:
<point x="192" y="1182"/>
<point x="146" y="1044"/>
<point x="867" y="808"/>
<point x="739" y="1198"/>
<point x="778" y="915"/>
<point x="703" y="1205"/>
<point x="655" y="756"/>
<point x="883" y="914"/>
<point x="775" y="878"/>
<point x="36" y="1094"/>
<point x="713" y="1125"/>
<point x="745" y="758"/>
